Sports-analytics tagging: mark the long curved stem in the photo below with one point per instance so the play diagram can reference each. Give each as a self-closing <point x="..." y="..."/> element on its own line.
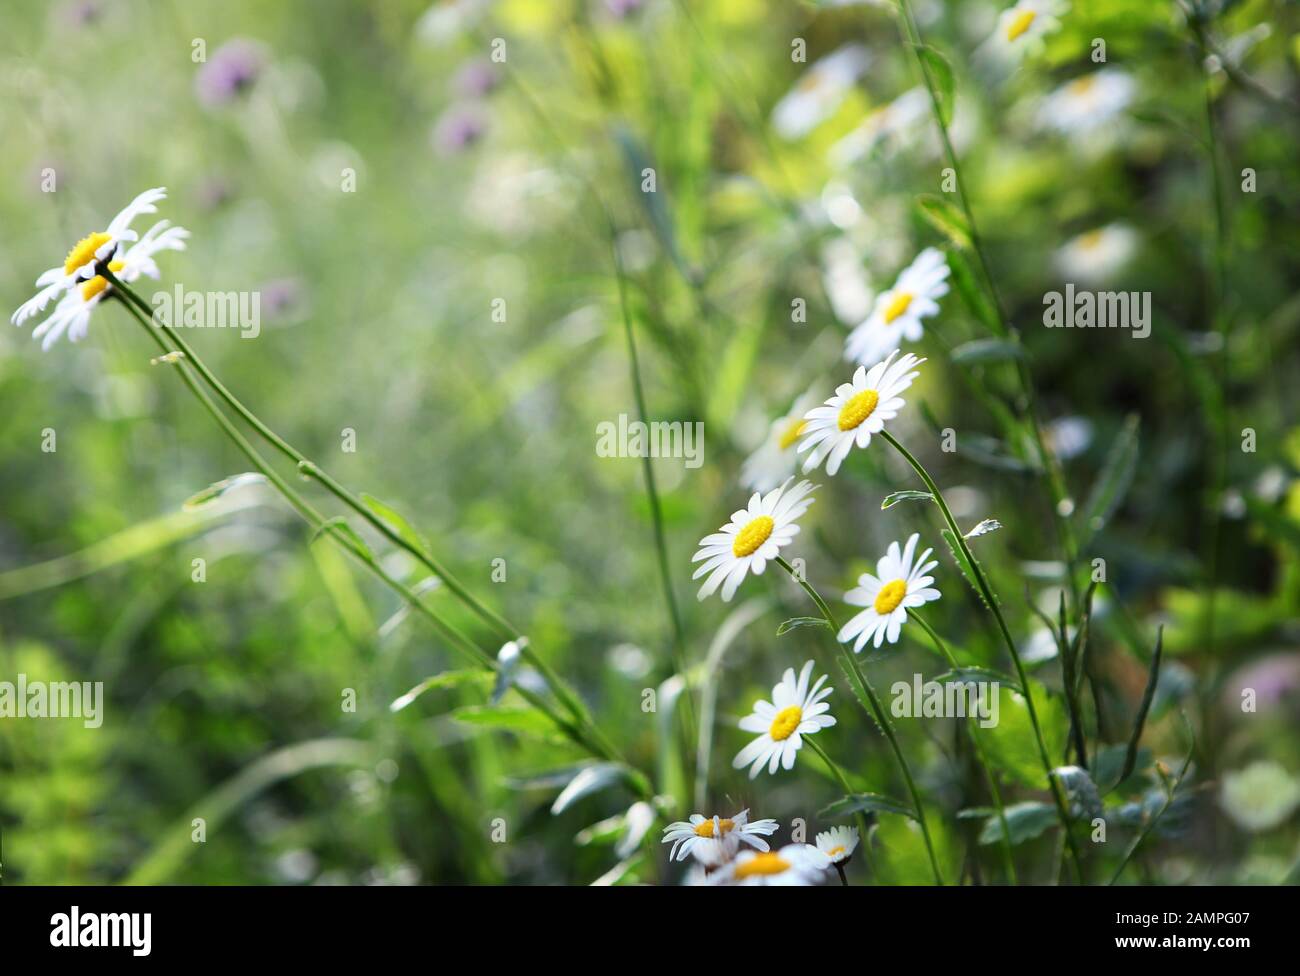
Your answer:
<point x="1008" y="857"/>
<point x="991" y="601"/>
<point x="878" y="711"/>
<point x="584" y="734"/>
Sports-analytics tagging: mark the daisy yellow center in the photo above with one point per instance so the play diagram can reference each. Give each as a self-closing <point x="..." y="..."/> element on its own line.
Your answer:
<point x="98" y="283"/>
<point x="83" y="252"/>
<point x="752" y="536"/>
<point x="835" y="851"/>
<point x="1081" y="86"/>
<point x="1090" y="240"/>
<point x="791" y="434"/>
<point x="900" y="304"/>
<point x="767" y="863"/>
<point x="890" y="596"/>
<point x="786" y="721"/>
<point x="859" y="408"/>
<point x="705" y="829"/>
<point x="1020" y="23"/>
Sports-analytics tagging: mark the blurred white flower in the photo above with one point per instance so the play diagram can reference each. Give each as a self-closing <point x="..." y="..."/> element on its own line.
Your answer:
<point x="858" y="409"/>
<point x="898" y="312"/>
<point x="794" y="864"/>
<point x="715" y="839"/>
<point x="901" y="583"/>
<point x="753" y="536"/>
<point x="776" y="458"/>
<point x="1097" y="255"/>
<point x="1089" y="103"/>
<point x="448" y="19"/>
<point x="846" y="282"/>
<point x="894" y="125"/>
<point x="838" y="843"/>
<point x="820" y="91"/>
<point x="72" y="313"/>
<point x="1021" y="28"/>
<point x="1260" y="797"/>
<point x="795" y="710"/>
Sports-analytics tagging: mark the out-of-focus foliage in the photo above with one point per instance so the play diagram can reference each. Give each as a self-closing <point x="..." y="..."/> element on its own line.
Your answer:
<point x="455" y="309"/>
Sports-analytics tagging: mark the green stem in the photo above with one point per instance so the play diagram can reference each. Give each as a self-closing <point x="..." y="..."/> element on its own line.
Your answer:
<point x="864" y="829"/>
<point x="991" y="601"/>
<point x="1061" y="504"/>
<point x="1008" y="857"/>
<point x="322" y="525"/>
<point x="878" y="711"/>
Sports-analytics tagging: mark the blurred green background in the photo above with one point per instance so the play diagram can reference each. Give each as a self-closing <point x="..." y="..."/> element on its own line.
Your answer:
<point x="482" y="187"/>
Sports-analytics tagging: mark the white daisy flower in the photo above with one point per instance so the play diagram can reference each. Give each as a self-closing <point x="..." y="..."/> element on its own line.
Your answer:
<point x="820" y="91"/>
<point x="1088" y="103"/>
<point x="1021" y="29"/>
<point x="794" y="711"/>
<point x="794" y="864"/>
<point x="776" y="459"/>
<point x="1097" y="255"/>
<point x="715" y="839"/>
<point x="895" y="123"/>
<point x="898" y="312"/>
<point x="838" y="843"/>
<point x="86" y="253"/>
<point x="72" y="313"/>
<point x="899" y="584"/>
<point x="754" y="536"/>
<point x="857" y="410"/>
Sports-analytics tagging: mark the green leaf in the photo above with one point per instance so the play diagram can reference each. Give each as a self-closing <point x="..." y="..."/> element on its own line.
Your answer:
<point x="1114" y="479"/>
<point x="1010" y="744"/>
<point x="972" y="292"/>
<point x="945" y="218"/>
<point x="521" y="719"/>
<point x="982" y="675"/>
<point x="846" y="806"/>
<point x="338" y="525"/>
<point x="793" y="622"/>
<point x="963" y="564"/>
<point x="904" y="496"/>
<point x="1025" y="821"/>
<point x="987" y="351"/>
<point x="396" y="522"/>
<point x="590" y="779"/>
<point x="940" y="72"/>
<point x="446" y="679"/>
<point x="1153" y="676"/>
<point x="217" y="489"/>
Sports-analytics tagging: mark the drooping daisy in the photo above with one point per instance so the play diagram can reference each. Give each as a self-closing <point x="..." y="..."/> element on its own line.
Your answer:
<point x="1096" y="256"/>
<point x="794" y="864"/>
<point x="838" y="843"/>
<point x="898" y="312"/>
<point x="709" y="837"/>
<point x="794" y="711"/>
<point x="776" y="459"/>
<point x="900" y="583"/>
<point x="858" y="409"/>
<point x="1088" y="103"/>
<point x="1021" y="29"/>
<point x="72" y="313"/>
<point x="820" y="91"/>
<point x="86" y="253"/>
<point x="754" y="535"/>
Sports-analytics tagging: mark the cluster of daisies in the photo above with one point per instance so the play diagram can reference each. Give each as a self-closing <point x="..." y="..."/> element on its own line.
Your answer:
<point x="732" y="851"/>
<point x="78" y="284"/>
